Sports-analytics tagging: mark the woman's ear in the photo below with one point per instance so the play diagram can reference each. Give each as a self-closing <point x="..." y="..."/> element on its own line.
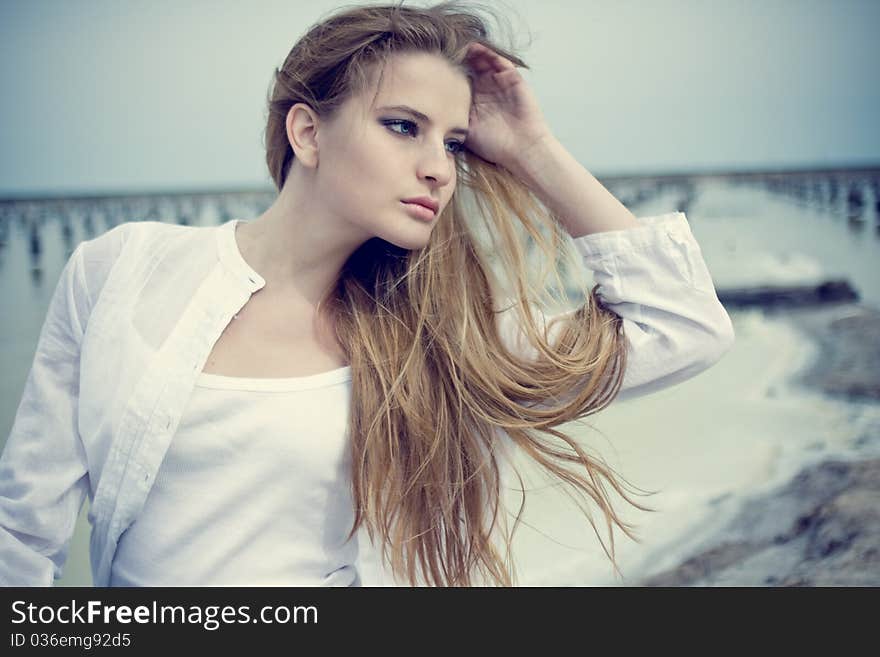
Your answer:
<point x="302" y="125"/>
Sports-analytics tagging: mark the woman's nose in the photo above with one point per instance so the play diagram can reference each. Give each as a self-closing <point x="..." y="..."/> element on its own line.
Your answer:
<point x="437" y="164"/>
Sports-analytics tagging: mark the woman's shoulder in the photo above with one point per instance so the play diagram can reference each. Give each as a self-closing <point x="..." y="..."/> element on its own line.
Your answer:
<point x="130" y="242"/>
<point x="133" y="236"/>
<point x="140" y="232"/>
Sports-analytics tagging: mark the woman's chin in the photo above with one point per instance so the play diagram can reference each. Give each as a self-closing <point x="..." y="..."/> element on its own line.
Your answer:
<point x="409" y="242"/>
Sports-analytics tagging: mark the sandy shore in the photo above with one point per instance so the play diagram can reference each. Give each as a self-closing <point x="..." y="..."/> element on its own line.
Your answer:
<point x="822" y="527"/>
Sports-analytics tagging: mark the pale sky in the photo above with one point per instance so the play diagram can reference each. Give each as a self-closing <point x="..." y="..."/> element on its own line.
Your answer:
<point x="164" y="95"/>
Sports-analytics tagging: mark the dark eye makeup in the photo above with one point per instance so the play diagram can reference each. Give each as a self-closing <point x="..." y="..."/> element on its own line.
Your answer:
<point x="413" y="130"/>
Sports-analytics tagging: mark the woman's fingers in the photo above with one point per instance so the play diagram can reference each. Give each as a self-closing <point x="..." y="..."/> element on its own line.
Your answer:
<point x="482" y="59"/>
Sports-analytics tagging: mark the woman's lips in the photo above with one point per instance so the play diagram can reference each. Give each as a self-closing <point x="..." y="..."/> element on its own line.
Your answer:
<point x="419" y="211"/>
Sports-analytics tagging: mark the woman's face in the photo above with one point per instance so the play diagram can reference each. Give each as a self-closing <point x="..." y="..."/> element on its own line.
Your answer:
<point x="371" y="157"/>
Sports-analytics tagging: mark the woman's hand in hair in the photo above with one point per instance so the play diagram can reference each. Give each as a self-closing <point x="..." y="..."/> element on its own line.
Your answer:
<point x="505" y="118"/>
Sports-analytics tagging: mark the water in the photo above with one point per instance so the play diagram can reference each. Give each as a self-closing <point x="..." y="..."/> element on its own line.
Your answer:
<point x="785" y="228"/>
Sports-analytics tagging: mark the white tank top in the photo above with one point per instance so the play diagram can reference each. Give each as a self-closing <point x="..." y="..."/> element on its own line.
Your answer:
<point x="255" y="490"/>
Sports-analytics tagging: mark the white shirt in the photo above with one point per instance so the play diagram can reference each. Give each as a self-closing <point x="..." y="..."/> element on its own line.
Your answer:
<point x="253" y="490"/>
<point x="136" y="313"/>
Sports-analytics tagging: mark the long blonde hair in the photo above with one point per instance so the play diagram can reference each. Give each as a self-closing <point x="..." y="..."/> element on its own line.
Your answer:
<point x="435" y="387"/>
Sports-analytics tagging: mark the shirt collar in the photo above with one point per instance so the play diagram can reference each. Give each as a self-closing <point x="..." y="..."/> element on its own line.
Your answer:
<point x="230" y="256"/>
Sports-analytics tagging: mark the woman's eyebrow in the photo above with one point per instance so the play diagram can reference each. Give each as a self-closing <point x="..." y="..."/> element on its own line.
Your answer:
<point x="423" y="117"/>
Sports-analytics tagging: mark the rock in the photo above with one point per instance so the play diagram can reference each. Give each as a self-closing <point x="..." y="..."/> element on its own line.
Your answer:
<point x="704" y="564"/>
<point x="787" y="296"/>
<point x="849" y="360"/>
<point x="831" y="535"/>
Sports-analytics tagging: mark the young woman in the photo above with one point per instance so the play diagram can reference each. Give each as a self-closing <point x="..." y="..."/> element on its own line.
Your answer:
<point x="238" y="401"/>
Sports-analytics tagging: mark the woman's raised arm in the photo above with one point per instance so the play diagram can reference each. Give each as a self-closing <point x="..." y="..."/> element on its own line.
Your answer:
<point x="654" y="277"/>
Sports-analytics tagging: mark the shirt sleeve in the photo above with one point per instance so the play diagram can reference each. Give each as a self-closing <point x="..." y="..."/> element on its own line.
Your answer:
<point x="654" y="277"/>
<point x="43" y="470"/>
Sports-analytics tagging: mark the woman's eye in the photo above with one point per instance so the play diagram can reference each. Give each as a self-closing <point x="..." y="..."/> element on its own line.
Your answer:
<point x="412" y="130"/>
<point x="459" y="147"/>
<point x="401" y="123"/>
